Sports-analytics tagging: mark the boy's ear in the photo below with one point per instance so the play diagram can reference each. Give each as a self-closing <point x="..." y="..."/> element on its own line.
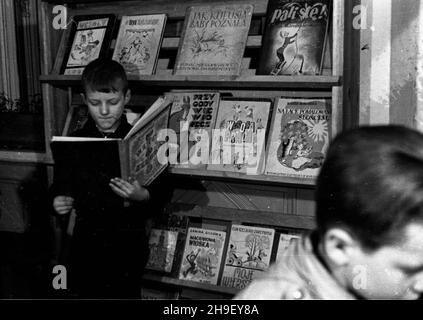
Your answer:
<point x="127" y="96"/>
<point x="339" y="247"/>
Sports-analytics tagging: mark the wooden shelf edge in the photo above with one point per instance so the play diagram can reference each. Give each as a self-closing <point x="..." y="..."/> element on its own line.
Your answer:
<point x="265" y="218"/>
<point x="234" y="176"/>
<point x="23" y="156"/>
<point x="188" y="284"/>
<point x="255" y="81"/>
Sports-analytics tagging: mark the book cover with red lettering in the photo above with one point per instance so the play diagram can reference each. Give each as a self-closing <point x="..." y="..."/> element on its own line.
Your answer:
<point x="202" y="256"/>
<point x="192" y="118"/>
<point x="295" y="37"/>
<point x="299" y="137"/>
<point x="247" y="256"/>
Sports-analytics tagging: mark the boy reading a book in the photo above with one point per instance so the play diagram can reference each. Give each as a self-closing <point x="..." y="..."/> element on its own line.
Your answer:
<point x="109" y="247"/>
<point x="368" y="243"/>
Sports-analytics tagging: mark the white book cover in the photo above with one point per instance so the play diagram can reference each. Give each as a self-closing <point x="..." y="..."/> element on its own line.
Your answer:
<point x="248" y="255"/>
<point x="238" y="143"/>
<point x="138" y="43"/>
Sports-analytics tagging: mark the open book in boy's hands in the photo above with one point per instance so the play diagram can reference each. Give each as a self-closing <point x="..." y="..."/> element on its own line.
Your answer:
<point x="132" y="158"/>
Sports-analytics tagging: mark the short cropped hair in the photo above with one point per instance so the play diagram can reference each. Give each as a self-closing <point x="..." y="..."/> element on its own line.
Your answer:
<point x="104" y="75"/>
<point x="371" y="183"/>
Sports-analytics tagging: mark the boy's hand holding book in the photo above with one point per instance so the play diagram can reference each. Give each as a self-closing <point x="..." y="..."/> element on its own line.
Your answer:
<point x="63" y="204"/>
<point x="130" y="191"/>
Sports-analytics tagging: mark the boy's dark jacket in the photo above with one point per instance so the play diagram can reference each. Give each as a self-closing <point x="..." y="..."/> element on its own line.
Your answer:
<point x="97" y="206"/>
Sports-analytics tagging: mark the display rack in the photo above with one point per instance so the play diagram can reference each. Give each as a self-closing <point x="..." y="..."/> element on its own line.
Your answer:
<point x="291" y="199"/>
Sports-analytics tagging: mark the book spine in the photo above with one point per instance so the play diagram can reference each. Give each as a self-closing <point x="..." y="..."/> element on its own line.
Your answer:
<point x="124" y="159"/>
<point x="180" y="46"/>
<point x="159" y="45"/>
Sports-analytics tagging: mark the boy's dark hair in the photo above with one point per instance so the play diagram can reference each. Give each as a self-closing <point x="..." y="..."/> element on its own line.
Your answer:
<point x="371" y="184"/>
<point x="104" y="75"/>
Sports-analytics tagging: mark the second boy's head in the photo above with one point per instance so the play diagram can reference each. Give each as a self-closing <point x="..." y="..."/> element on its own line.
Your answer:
<point x="106" y="92"/>
<point x="370" y="211"/>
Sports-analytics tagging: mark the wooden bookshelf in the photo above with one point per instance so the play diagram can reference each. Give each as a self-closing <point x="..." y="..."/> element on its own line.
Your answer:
<point x="167" y="80"/>
<point x="181" y="284"/>
<point x="295" y="208"/>
<point x="244" y="178"/>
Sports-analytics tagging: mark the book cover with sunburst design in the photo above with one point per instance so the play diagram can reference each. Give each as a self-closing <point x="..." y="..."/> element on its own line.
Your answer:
<point x="299" y="137"/>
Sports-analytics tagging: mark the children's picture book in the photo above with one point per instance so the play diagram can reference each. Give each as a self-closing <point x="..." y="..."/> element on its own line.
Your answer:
<point x="202" y="255"/>
<point x="133" y="158"/>
<point x="213" y="40"/>
<point x="88" y="38"/>
<point x="285" y="240"/>
<point x="299" y="137"/>
<point x="138" y="43"/>
<point x="162" y="245"/>
<point x="192" y="118"/>
<point x="295" y="37"/>
<point x="247" y="256"/>
<point x="238" y="143"/>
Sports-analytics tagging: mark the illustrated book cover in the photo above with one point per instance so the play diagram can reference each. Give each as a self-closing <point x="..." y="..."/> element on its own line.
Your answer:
<point x="132" y="158"/>
<point x="238" y="142"/>
<point x="138" y="43"/>
<point x="247" y="256"/>
<point x="213" y="40"/>
<point x="192" y="118"/>
<point x="202" y="255"/>
<point x="87" y="38"/>
<point x="162" y="245"/>
<point x="299" y="137"/>
<point x="295" y="37"/>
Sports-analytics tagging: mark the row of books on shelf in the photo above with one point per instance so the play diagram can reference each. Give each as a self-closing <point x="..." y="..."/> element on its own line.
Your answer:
<point x="225" y="255"/>
<point x="213" y="39"/>
<point x="203" y="130"/>
<point x="282" y="136"/>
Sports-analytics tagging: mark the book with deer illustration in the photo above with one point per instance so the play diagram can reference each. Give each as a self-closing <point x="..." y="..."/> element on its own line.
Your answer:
<point x="138" y="43"/>
<point x="202" y="255"/>
<point x="192" y="118"/>
<point x="238" y="142"/>
<point x="134" y="157"/>
<point x="247" y="256"/>
<point x="162" y="245"/>
<point x="295" y="37"/>
<point x="213" y="40"/>
<point x="299" y="137"/>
